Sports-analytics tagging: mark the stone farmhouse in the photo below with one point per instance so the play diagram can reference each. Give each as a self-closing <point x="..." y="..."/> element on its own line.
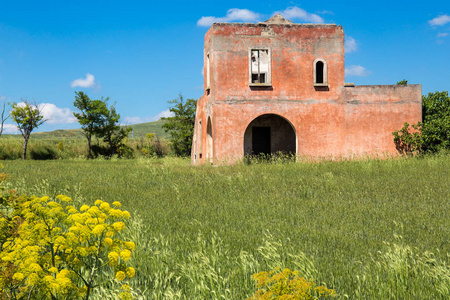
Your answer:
<point x="277" y="86"/>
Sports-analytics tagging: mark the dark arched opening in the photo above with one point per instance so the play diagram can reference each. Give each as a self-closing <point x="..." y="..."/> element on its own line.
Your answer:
<point x="269" y="134"/>
<point x="209" y="141"/>
<point x="319" y="72"/>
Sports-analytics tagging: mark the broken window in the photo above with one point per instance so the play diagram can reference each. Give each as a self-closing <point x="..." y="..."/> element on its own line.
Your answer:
<point x="260" y="66"/>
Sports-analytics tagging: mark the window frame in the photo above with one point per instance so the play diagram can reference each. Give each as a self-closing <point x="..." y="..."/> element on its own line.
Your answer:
<point x="325" y="72"/>
<point x="269" y="75"/>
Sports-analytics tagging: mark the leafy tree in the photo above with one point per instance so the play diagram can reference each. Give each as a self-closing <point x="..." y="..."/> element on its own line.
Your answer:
<point x="3" y="118"/>
<point x="403" y="82"/>
<point x="436" y="121"/>
<point x="27" y="117"/>
<point x="90" y="116"/>
<point x="181" y="125"/>
<point x="112" y="133"/>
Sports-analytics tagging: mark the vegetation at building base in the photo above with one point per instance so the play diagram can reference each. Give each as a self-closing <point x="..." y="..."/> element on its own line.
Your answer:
<point x="368" y="229"/>
<point x="181" y="125"/>
<point x="433" y="133"/>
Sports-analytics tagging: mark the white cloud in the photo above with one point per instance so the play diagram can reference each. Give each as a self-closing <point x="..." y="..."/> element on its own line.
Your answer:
<point x="54" y="114"/>
<point x="135" y="120"/>
<point x="350" y="44"/>
<point x="439" y="21"/>
<point x="294" y="12"/>
<point x="87" y="82"/>
<point x="10" y="129"/>
<point x="442" y="34"/>
<point x="233" y="14"/>
<point x="356" y="71"/>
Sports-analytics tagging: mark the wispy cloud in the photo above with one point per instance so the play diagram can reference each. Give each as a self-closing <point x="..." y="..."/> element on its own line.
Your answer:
<point x="442" y="34"/>
<point x="325" y="12"/>
<point x="350" y="44"/>
<point x="440" y="21"/>
<point x="357" y="71"/>
<point x="135" y="120"/>
<point x="294" y="12"/>
<point x="233" y="14"/>
<point x="87" y="82"/>
<point x="245" y="15"/>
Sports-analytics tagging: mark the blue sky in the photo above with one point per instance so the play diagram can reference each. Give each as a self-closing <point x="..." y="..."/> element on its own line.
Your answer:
<point x="143" y="53"/>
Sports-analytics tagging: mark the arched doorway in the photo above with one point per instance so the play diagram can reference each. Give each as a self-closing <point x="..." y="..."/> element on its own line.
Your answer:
<point x="209" y="141"/>
<point x="269" y="134"/>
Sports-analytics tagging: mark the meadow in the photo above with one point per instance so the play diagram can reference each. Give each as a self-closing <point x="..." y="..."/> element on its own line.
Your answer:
<point x="370" y="229"/>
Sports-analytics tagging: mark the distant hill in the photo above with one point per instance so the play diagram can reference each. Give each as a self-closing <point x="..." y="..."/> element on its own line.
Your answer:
<point x="139" y="130"/>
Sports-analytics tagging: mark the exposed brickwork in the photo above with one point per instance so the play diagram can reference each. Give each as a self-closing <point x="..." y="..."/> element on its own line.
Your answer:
<point x="327" y="119"/>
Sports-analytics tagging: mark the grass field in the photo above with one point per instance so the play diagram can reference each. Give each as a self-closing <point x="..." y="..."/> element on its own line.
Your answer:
<point x="202" y="231"/>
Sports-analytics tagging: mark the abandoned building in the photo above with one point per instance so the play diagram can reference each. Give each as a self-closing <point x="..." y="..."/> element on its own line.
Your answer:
<point x="278" y="86"/>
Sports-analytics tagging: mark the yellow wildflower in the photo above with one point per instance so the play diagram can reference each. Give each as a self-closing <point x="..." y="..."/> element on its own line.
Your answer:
<point x="108" y="241"/>
<point x="131" y="272"/>
<point x="113" y="258"/>
<point x="84" y="207"/>
<point x="105" y="206"/>
<point x="120" y="275"/>
<point x="130" y="245"/>
<point x="98" y="229"/>
<point x="98" y="202"/>
<point x="117" y="204"/>
<point x="125" y="254"/>
<point x="126" y="214"/>
<point x="118" y="226"/>
<point x="18" y="276"/>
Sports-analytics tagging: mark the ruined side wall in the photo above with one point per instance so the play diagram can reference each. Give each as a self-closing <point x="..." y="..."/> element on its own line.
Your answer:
<point x="372" y="113"/>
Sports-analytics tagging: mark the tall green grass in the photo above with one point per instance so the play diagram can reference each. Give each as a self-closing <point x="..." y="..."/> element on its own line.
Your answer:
<point x="48" y="149"/>
<point x="202" y="231"/>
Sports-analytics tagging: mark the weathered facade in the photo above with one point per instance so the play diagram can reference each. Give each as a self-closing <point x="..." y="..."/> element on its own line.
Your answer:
<point x="279" y="86"/>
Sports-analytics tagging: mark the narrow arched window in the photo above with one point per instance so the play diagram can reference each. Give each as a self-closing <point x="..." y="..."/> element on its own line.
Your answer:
<point x="320" y="72"/>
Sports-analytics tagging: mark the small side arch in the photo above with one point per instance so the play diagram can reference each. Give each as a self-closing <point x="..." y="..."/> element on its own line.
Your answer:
<point x="320" y="72"/>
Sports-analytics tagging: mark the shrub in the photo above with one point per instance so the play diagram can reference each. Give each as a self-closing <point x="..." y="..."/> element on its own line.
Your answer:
<point x="52" y="250"/>
<point x="407" y="141"/>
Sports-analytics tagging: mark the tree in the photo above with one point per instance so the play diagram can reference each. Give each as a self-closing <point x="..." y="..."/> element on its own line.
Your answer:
<point x="3" y="118"/>
<point x="90" y="116"/>
<point x="27" y="117"/>
<point x="98" y="120"/>
<point x="403" y="82"/>
<point x="112" y="133"/>
<point x="181" y="125"/>
<point x="436" y="121"/>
